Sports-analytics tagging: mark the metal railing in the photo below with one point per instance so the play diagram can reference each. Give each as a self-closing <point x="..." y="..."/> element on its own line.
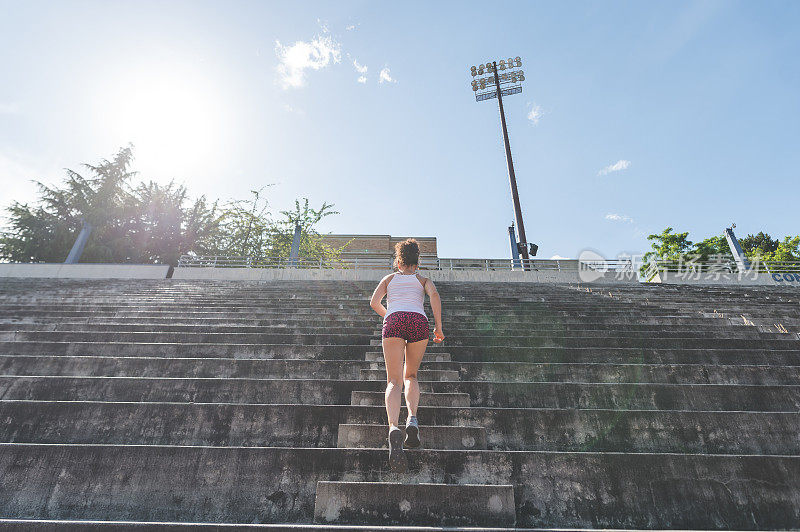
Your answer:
<point x="721" y="265"/>
<point x="451" y="264"/>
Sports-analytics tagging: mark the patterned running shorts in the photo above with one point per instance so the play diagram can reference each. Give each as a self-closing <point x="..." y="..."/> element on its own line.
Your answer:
<point x="410" y="326"/>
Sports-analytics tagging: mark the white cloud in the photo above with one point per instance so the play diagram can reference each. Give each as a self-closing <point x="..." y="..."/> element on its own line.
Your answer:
<point x="361" y="69"/>
<point x="535" y="113"/>
<point x="619" y="218"/>
<point x="622" y="164"/>
<point x="386" y="77"/>
<point x="351" y="27"/>
<point x="296" y="59"/>
<point x="559" y="257"/>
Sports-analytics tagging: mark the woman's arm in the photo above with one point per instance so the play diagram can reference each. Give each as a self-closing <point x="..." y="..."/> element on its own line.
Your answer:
<point x="377" y="297"/>
<point x="436" y="306"/>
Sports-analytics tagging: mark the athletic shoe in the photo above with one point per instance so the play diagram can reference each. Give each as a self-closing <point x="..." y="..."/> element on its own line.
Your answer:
<point x="412" y="433"/>
<point x="397" y="459"/>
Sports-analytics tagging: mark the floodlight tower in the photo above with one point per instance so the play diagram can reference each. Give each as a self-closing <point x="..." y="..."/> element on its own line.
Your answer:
<point x="505" y="79"/>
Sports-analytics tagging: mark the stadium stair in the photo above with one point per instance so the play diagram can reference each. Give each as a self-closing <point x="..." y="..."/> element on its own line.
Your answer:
<point x="177" y="405"/>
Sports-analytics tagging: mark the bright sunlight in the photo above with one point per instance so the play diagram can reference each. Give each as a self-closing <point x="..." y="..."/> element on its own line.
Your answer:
<point x="178" y="121"/>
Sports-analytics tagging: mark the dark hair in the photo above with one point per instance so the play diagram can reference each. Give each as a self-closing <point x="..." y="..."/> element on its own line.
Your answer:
<point x="406" y="253"/>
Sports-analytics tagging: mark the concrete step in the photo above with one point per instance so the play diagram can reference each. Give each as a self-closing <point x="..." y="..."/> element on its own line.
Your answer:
<point x="528" y="332"/>
<point x="588" y="355"/>
<point x="458" y="326"/>
<point x="777" y="342"/>
<point x="366" y="398"/>
<point x="470" y="314"/>
<point x="188" y="350"/>
<point x="432" y="436"/>
<point x="243" y="485"/>
<point x="629" y="322"/>
<point x="381" y="503"/>
<point x="598" y="372"/>
<point x="619" y="355"/>
<point x="774" y="342"/>
<point x="154" y="322"/>
<point x="507" y="429"/>
<point x="666" y="353"/>
<point x="88" y="328"/>
<point x="95" y="366"/>
<point x="437" y="356"/>
<point x="422" y="375"/>
<point x="612" y="396"/>
<point x="54" y="525"/>
<point x="287" y="338"/>
<point x="368" y="327"/>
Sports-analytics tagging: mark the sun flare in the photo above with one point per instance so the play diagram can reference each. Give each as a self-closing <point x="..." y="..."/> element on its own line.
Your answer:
<point x="177" y="123"/>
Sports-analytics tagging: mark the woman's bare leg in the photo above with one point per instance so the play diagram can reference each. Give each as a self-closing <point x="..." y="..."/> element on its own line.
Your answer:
<point x="414" y="354"/>
<point x="393" y="351"/>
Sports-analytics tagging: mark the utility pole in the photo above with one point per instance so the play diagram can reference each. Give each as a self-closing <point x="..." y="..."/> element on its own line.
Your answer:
<point x="483" y="91"/>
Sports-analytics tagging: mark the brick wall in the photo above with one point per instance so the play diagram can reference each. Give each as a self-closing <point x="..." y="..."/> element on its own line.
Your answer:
<point x="378" y="244"/>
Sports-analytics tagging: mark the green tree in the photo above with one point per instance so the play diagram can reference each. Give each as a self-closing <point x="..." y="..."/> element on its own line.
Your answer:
<point x="45" y="232"/>
<point x="787" y="250"/>
<point x="164" y="228"/>
<point x="761" y="244"/>
<point x="667" y="245"/>
<point x="149" y="222"/>
<point x="246" y="228"/>
<point x="715" y="245"/>
<point x="311" y="245"/>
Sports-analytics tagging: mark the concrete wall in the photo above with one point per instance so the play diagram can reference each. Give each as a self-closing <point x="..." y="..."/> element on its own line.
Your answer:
<point x="85" y="271"/>
<point x="269" y="274"/>
<point x="753" y="279"/>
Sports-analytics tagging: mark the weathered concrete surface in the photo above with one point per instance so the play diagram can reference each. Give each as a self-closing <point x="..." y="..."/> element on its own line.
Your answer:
<point x="791" y="280"/>
<point x="618" y="355"/>
<point x="361" y="435"/>
<point x="273" y="274"/>
<point x="362" y="398"/>
<point x="85" y="271"/>
<point x="32" y="365"/>
<point x="92" y="526"/>
<point x="511" y="429"/>
<point x="376" y="356"/>
<point x="615" y="396"/>
<point x="621" y="406"/>
<point x="551" y="489"/>
<point x="422" y="375"/>
<point x="414" y="504"/>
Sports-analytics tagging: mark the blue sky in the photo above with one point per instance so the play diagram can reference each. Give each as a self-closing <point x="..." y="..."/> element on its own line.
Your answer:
<point x="634" y="115"/>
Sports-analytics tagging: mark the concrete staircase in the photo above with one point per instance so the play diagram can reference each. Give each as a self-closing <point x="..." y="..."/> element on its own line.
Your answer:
<point x="167" y="404"/>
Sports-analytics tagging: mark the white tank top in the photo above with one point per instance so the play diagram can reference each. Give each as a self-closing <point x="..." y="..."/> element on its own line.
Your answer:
<point x="404" y="293"/>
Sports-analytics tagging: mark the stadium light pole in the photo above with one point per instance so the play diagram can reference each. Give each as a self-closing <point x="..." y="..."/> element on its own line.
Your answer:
<point x="505" y="80"/>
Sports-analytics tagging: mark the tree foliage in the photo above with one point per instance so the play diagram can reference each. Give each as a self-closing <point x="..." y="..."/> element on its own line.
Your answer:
<point x="788" y="250"/>
<point x="760" y="244"/>
<point x="151" y="223"/>
<point x="248" y="229"/>
<point x="670" y="246"/>
<point x="707" y="248"/>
